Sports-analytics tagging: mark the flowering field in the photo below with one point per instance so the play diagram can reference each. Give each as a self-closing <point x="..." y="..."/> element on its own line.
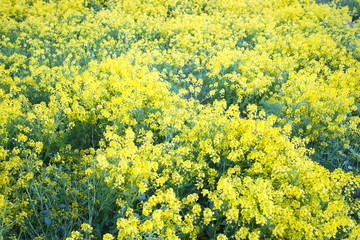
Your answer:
<point x="167" y="119"/>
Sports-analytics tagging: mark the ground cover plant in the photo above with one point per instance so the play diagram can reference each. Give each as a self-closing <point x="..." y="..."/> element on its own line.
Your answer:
<point x="166" y="119"/>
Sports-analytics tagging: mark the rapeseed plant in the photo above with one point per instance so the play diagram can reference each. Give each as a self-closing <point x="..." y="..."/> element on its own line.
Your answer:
<point x="172" y="119"/>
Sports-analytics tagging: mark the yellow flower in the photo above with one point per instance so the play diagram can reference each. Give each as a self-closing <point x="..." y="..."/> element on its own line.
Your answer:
<point x="208" y="216"/>
<point x="2" y="202"/>
<point x="221" y="237"/>
<point x="86" y="228"/>
<point x="108" y="236"/>
<point x="242" y="233"/>
<point x="75" y="235"/>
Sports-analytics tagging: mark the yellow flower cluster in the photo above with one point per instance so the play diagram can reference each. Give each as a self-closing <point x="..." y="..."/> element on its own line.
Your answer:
<point x="169" y="119"/>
